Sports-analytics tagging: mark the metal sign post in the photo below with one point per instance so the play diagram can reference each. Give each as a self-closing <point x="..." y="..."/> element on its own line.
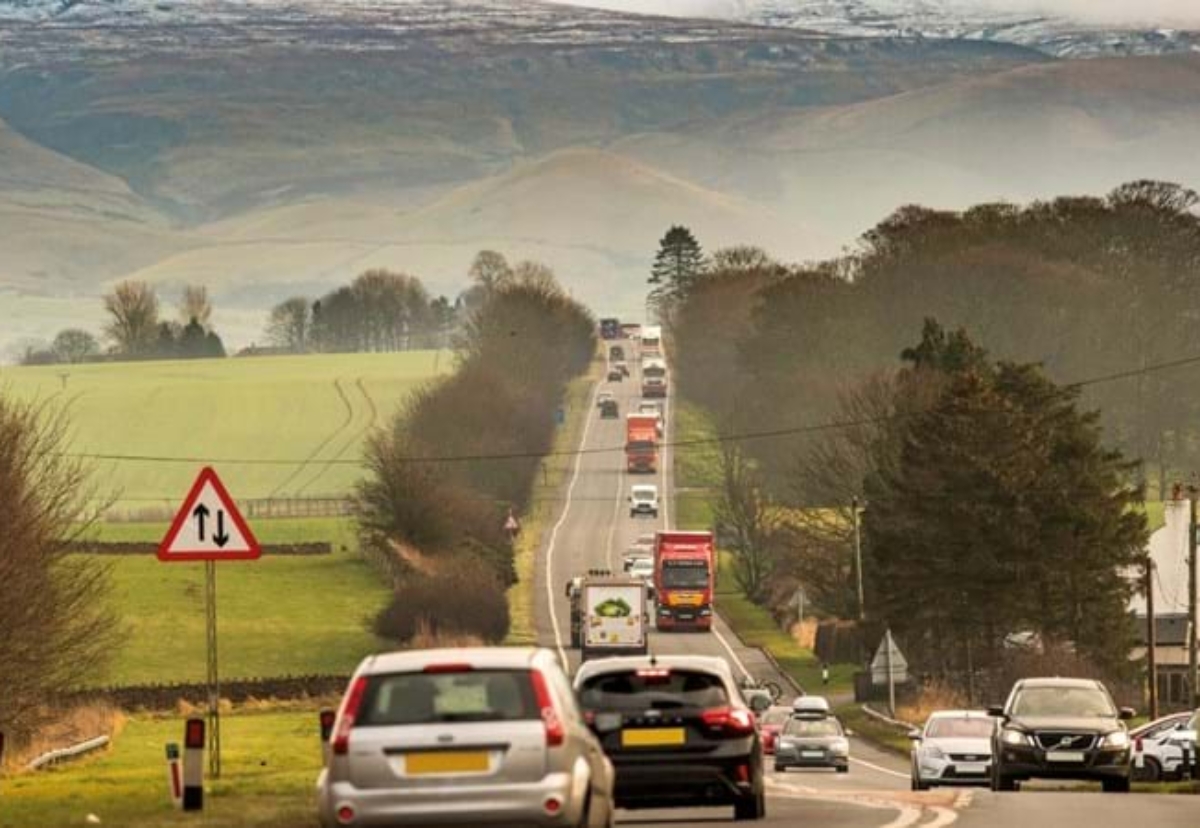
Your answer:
<point x="209" y="527"/>
<point x="214" y="681"/>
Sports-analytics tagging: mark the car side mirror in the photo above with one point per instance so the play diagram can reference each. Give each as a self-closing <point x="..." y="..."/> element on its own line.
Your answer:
<point x="914" y="735"/>
<point x="1126" y="713"/>
<point x="996" y="712"/>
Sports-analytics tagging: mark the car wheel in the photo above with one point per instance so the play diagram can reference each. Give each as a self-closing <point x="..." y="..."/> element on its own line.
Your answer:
<point x="752" y="807"/>
<point x="1150" y="771"/>
<point x="1000" y="782"/>
<point x="780" y="768"/>
<point x="1116" y="785"/>
<point x="918" y="785"/>
<point x="843" y="768"/>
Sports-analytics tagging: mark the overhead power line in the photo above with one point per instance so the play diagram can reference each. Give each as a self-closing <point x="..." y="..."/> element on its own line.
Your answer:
<point x="718" y="439"/>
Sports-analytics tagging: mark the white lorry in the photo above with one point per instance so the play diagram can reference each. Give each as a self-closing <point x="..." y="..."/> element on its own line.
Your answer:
<point x="614" y="616"/>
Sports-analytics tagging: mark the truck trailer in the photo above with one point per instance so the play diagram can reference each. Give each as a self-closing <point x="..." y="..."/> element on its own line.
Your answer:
<point x="641" y="443"/>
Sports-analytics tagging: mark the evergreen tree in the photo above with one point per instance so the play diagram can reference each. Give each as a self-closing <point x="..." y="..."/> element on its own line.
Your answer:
<point x="676" y="268"/>
<point x="996" y="510"/>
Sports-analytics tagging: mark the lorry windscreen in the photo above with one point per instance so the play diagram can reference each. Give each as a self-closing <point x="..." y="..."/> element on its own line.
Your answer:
<point x="685" y="574"/>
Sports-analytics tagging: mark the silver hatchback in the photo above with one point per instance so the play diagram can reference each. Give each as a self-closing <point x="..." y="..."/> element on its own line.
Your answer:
<point x="486" y="736"/>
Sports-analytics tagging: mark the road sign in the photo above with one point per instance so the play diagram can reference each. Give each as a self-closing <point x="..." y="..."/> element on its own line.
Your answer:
<point x="889" y="660"/>
<point x="512" y="526"/>
<point x="208" y="527"/>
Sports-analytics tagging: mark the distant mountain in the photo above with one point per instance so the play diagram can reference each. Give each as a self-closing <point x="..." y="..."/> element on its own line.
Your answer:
<point x="1060" y="35"/>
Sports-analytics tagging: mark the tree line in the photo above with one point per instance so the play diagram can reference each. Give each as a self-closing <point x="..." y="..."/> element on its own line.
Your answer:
<point x="467" y="448"/>
<point x="932" y="377"/>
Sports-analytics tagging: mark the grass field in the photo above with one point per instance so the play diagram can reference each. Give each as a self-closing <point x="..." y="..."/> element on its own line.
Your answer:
<point x="269" y="761"/>
<point x="313" y="408"/>
<point x="276" y="616"/>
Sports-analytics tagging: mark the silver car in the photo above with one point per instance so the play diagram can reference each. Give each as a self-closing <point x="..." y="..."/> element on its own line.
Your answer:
<point x="812" y="741"/>
<point x="954" y="748"/>
<point x="485" y="736"/>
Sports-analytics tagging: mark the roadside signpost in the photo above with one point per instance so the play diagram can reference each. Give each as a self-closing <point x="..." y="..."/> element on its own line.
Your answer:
<point x="512" y="527"/>
<point x="208" y="527"/>
<point x="889" y="667"/>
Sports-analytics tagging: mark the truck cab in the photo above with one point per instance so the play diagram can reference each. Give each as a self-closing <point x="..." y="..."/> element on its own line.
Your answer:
<point x="684" y="580"/>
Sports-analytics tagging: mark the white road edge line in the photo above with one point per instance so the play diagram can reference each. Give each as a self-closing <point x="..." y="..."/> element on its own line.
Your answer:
<point x="881" y="769"/>
<point x="587" y="427"/>
<point x="945" y="816"/>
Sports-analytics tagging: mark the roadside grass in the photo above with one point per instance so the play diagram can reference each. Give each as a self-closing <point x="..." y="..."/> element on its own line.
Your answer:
<point x="270" y="761"/>
<point x="318" y="407"/>
<point x="878" y="733"/>
<point x="557" y="469"/>
<point x="277" y="616"/>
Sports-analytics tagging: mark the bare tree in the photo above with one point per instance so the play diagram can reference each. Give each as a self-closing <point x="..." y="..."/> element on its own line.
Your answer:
<point x="746" y="511"/>
<point x="536" y="275"/>
<point x="74" y="345"/>
<point x="133" y="307"/>
<point x="490" y="270"/>
<point x="195" y="304"/>
<point x="57" y="630"/>
<point x="290" y="324"/>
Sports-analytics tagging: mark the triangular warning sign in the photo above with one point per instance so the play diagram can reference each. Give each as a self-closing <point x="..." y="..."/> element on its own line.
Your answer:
<point x="208" y="527"/>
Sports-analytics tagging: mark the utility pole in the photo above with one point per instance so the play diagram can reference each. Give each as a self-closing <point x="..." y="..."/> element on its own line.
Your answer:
<point x="1151" y="638"/>
<point x="1192" y="675"/>
<point x="858" y="557"/>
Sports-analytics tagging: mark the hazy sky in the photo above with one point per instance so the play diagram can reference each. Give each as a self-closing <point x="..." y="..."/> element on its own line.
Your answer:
<point x="1131" y="12"/>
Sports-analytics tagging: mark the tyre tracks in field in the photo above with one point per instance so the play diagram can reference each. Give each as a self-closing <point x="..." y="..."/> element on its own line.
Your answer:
<point x="372" y="412"/>
<point x="320" y="447"/>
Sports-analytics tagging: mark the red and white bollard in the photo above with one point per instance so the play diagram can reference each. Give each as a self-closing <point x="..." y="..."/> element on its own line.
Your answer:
<point x="193" y="765"/>
<point x="174" y="775"/>
<point x="327" y="719"/>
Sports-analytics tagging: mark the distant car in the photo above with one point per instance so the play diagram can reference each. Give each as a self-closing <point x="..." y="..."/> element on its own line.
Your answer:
<point x="644" y="568"/>
<point x="615" y="375"/>
<point x="1060" y="728"/>
<point x="643" y="500"/>
<point x="609" y="410"/>
<point x="954" y="748"/>
<point x="654" y="387"/>
<point x="622" y="367"/>
<point x="809" y="741"/>
<point x="630" y="558"/>
<point x="463" y="737"/>
<point x="677" y="731"/>
<point x="770" y="724"/>
<point x="1158" y="747"/>
<point x="603" y="397"/>
<point x="616" y="353"/>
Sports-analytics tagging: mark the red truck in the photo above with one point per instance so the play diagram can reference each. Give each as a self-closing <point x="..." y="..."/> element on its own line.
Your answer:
<point x="684" y="580"/>
<point x="641" y="443"/>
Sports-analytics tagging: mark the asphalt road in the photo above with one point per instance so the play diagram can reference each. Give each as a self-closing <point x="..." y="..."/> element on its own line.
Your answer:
<point x="593" y="529"/>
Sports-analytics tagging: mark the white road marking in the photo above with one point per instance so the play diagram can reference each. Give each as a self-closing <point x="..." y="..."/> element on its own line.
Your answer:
<point x="881" y="769"/>
<point x="945" y="816"/>
<point x="587" y="427"/>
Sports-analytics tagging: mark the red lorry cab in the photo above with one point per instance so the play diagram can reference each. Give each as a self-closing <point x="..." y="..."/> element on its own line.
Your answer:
<point x="684" y="580"/>
<point x="641" y="443"/>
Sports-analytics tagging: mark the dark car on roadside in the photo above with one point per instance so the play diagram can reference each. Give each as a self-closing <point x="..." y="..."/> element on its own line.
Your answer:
<point x="615" y="375"/>
<point x="609" y="410"/>
<point x="677" y="731"/>
<point x="1060" y="728"/>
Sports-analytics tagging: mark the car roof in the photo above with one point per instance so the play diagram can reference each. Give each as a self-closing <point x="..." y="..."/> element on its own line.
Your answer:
<point x="959" y="714"/>
<point x="621" y="664"/>
<point x="644" y="487"/>
<point x="479" y="658"/>
<point x="1056" y="681"/>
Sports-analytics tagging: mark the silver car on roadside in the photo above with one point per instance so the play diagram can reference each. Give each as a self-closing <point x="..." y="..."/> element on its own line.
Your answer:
<point x="954" y="748"/>
<point x="475" y="736"/>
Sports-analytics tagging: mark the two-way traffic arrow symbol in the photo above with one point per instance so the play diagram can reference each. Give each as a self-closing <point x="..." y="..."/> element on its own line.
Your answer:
<point x="201" y="513"/>
<point x="220" y="539"/>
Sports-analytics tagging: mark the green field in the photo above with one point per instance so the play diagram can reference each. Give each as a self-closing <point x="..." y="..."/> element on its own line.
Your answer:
<point x="313" y="409"/>
<point x="269" y="761"/>
<point x="276" y="616"/>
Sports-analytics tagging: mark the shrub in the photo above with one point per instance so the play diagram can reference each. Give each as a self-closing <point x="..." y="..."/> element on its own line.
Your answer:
<point x="462" y="600"/>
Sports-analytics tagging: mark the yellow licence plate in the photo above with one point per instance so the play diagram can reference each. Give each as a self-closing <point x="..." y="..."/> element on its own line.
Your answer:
<point x="446" y="761"/>
<point x="655" y="737"/>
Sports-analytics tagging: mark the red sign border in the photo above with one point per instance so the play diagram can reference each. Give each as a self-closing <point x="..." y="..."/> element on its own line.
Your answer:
<point x="208" y="475"/>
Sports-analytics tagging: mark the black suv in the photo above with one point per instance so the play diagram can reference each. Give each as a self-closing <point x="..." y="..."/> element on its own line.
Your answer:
<point x="1059" y="728"/>
<point x="677" y="731"/>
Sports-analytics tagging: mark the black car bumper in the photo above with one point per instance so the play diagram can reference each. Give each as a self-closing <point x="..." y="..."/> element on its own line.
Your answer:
<point x="1031" y="763"/>
<point x="686" y="783"/>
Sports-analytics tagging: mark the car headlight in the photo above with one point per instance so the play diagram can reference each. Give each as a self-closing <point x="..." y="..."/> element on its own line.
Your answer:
<point x="932" y="752"/>
<point x="840" y="746"/>
<point x="1116" y="739"/>
<point x="1014" y="737"/>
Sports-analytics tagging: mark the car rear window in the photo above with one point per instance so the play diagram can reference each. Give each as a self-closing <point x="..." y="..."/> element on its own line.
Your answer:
<point x="812" y="727"/>
<point x="776" y="717"/>
<point x="648" y="690"/>
<point x="467" y="696"/>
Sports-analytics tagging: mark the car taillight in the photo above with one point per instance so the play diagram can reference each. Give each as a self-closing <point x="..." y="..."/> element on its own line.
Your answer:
<point x="347" y="715"/>
<point x="555" y="733"/>
<point x="734" y="721"/>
